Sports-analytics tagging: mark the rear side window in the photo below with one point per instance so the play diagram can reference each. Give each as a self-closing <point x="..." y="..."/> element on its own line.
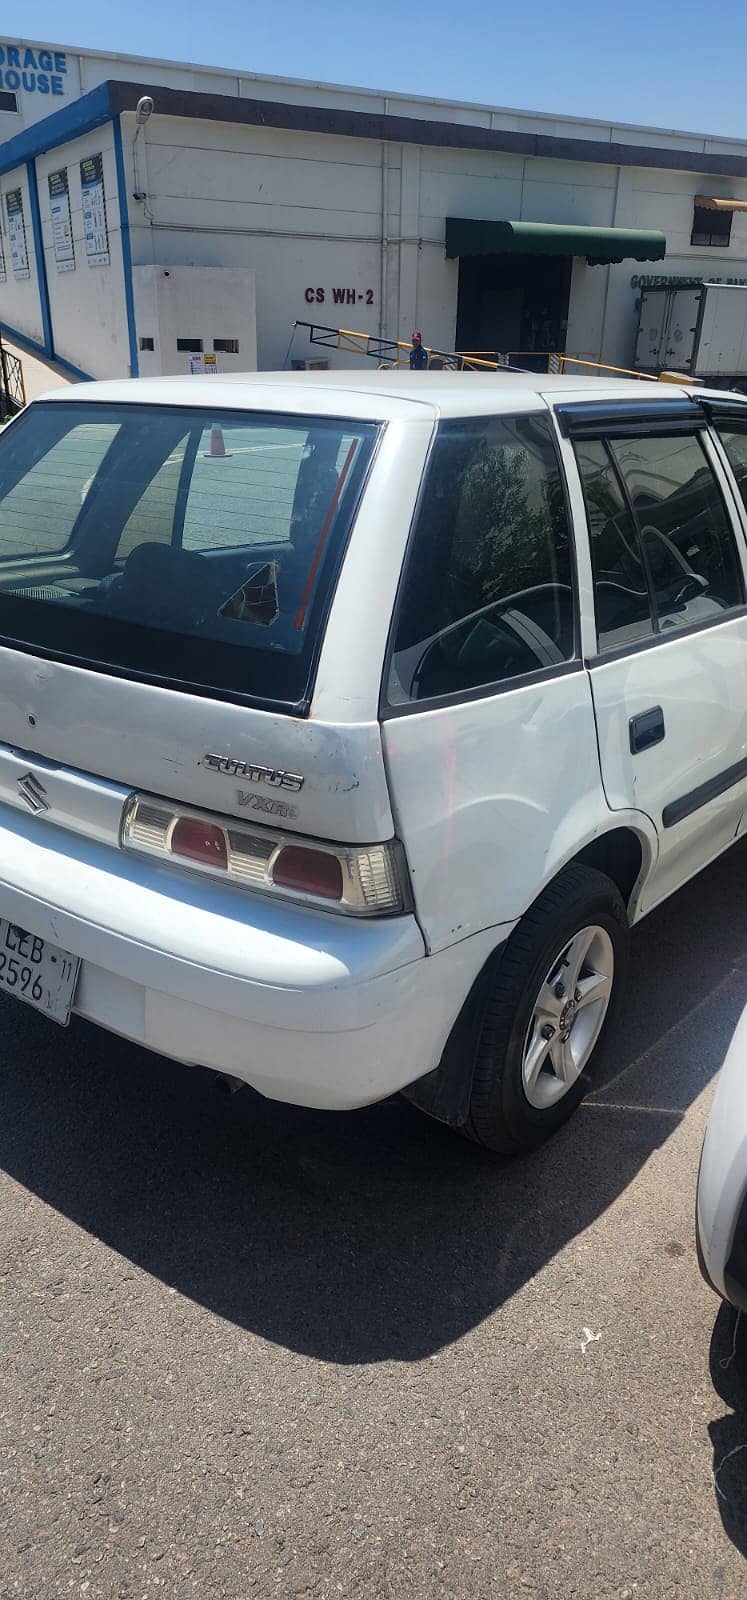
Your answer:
<point x="196" y="548"/>
<point x="663" y="550"/>
<point x="487" y="592"/>
<point x="623" y="602"/>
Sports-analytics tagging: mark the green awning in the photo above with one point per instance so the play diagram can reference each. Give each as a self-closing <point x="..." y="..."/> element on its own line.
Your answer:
<point x="467" y="237"/>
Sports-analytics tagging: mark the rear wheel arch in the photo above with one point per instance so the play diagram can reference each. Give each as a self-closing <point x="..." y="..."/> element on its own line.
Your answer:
<point x="621" y="854"/>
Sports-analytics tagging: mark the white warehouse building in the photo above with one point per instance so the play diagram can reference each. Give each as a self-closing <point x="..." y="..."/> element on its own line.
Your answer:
<point x="244" y="205"/>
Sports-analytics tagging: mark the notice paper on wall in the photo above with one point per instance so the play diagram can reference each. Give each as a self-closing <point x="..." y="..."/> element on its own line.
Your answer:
<point x="95" y="230"/>
<point x="206" y="364"/>
<point x="62" y="225"/>
<point x="3" y="268"/>
<point x="19" y="256"/>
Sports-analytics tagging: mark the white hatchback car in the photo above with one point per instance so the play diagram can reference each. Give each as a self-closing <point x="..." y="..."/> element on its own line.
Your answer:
<point x="349" y="724"/>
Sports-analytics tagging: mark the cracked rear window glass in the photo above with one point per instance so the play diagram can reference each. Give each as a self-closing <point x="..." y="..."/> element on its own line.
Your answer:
<point x="197" y="548"/>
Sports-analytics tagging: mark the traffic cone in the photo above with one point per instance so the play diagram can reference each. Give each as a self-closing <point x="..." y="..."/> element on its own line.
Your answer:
<point x="217" y="447"/>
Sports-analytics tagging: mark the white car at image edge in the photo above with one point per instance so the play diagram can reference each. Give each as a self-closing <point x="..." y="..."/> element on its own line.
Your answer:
<point x="721" y="1220"/>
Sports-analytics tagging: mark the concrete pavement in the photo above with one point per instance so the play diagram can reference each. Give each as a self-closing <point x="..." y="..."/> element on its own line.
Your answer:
<point x="251" y="1350"/>
<point x="39" y="375"/>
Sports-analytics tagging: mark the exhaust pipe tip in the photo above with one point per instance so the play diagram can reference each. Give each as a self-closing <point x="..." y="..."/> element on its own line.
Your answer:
<point x="227" y="1085"/>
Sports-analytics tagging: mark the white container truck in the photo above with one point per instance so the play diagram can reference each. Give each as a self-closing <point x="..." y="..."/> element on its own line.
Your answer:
<point x="698" y="330"/>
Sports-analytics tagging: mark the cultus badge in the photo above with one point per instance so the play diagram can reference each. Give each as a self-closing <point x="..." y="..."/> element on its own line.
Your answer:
<point x="253" y="773"/>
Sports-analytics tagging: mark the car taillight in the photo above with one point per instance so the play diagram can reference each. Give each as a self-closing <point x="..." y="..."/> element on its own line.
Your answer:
<point x="308" y="871"/>
<point x="361" y="880"/>
<point x="200" y="841"/>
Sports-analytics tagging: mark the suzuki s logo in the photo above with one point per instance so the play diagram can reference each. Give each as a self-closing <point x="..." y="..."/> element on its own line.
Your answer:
<point x="33" y="792"/>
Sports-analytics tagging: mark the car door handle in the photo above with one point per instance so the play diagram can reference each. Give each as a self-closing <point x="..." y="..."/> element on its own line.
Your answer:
<point x="646" y="729"/>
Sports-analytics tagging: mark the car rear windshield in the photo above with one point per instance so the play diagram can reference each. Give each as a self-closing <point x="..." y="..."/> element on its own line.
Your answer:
<point x="198" y="549"/>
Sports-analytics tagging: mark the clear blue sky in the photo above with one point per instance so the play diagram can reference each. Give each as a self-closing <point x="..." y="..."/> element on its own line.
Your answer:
<point x="671" y="63"/>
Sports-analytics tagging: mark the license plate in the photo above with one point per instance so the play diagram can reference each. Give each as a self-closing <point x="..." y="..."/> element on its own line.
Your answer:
<point x="37" y="972"/>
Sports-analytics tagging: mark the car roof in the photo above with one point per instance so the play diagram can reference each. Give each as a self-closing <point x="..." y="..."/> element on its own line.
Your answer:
<point x="375" y="394"/>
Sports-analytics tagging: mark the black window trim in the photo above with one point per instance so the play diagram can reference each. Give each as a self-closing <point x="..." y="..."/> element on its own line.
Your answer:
<point x="187" y="686"/>
<point x="659" y="635"/>
<point x="609" y="419"/>
<point x="669" y="636"/>
<point x="483" y="691"/>
<point x="719" y="411"/>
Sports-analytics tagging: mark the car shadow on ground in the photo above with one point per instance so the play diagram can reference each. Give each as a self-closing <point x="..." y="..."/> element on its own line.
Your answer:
<point x="374" y="1235"/>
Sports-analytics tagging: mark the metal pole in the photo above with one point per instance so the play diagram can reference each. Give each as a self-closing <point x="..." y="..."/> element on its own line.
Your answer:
<point x="384" y="227"/>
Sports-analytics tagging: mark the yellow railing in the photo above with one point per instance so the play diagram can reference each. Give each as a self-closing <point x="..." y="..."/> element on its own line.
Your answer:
<point x="393" y="353"/>
<point x="397" y="352"/>
<point x="604" y="367"/>
<point x="561" y="361"/>
<point x="554" y="361"/>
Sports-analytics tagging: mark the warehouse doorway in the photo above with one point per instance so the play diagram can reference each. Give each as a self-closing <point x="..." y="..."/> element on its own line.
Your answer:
<point x="513" y="303"/>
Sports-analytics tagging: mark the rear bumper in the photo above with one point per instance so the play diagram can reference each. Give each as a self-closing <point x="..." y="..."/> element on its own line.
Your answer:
<point x="312" y="1008"/>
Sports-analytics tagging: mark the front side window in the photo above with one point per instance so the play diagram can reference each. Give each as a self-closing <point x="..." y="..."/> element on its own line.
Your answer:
<point x="735" y="445"/>
<point x="663" y="551"/>
<point x="487" y="591"/>
<point x="201" y="549"/>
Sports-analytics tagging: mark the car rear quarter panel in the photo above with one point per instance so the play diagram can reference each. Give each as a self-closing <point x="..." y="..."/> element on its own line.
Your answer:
<point x="492" y="797"/>
<point x="349" y="674"/>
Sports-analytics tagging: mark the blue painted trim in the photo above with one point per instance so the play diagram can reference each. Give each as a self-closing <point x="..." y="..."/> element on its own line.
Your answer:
<point x="124" y="230"/>
<point x="91" y="111"/>
<point x="37" y="349"/>
<point x="41" y="263"/>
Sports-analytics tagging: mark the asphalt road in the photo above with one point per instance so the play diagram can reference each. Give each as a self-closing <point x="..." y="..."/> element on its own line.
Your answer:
<point x="254" y="1351"/>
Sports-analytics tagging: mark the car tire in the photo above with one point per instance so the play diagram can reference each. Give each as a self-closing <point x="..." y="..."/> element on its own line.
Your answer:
<point x="530" y="1074"/>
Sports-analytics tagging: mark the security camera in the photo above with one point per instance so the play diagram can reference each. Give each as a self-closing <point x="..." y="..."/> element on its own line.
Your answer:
<point x="143" y="110"/>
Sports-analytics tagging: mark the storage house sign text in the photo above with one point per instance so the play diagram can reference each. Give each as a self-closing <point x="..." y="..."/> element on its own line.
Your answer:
<point x="36" y="71"/>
